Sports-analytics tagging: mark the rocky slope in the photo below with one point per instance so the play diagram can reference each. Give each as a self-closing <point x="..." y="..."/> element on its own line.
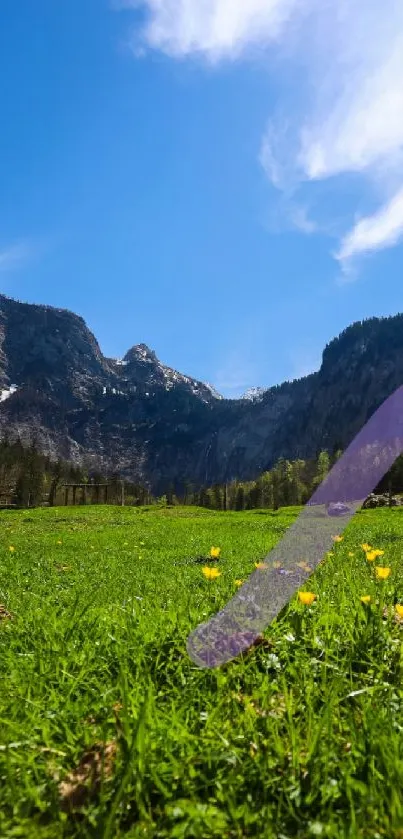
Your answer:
<point x="157" y="426"/>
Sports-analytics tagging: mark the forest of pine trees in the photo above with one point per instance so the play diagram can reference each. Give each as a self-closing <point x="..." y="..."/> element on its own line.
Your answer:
<point x="29" y="478"/>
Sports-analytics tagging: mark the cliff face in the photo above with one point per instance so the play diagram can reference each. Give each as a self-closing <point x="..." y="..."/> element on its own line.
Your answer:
<point x="157" y="426"/>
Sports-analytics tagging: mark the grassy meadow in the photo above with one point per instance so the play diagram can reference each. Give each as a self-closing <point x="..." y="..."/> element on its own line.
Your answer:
<point x="108" y="729"/>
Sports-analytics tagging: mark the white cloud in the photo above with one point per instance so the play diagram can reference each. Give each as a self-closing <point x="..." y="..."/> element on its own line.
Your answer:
<point x="217" y="28"/>
<point x="343" y="62"/>
<point x="364" y="125"/>
<point x="381" y="230"/>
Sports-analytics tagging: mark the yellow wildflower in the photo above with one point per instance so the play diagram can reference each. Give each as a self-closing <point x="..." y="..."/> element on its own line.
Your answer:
<point x="382" y="573"/>
<point x="238" y="582"/>
<point x="370" y="555"/>
<point x="211" y="573"/>
<point x="377" y="552"/>
<point x="11" y="548"/>
<point x="306" y="597"/>
<point x="215" y="552"/>
<point x="59" y="542"/>
<point x="399" y="610"/>
<point x="366" y="547"/>
<point x="366" y="598"/>
<point x="260" y="565"/>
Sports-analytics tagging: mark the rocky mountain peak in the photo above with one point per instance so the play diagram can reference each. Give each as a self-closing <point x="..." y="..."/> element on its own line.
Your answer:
<point x="156" y="425"/>
<point x="254" y="394"/>
<point x="141" y="352"/>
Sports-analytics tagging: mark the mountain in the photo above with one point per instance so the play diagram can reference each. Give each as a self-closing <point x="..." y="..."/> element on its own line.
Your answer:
<point x="254" y="394"/>
<point x="157" y="426"/>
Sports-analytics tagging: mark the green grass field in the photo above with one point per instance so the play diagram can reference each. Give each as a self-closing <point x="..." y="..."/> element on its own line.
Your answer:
<point x="108" y="729"/>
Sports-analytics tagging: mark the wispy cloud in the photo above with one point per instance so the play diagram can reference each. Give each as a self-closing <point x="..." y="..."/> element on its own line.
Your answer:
<point x="19" y="254"/>
<point x="14" y="256"/>
<point x="287" y="215"/>
<point x="382" y="229"/>
<point x="345" y="62"/>
<point x="300" y="219"/>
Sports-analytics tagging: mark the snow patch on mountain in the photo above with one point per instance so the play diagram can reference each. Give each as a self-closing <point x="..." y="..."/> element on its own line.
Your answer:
<point x="254" y="394"/>
<point x="167" y="376"/>
<point x="4" y="394"/>
<point x="213" y="391"/>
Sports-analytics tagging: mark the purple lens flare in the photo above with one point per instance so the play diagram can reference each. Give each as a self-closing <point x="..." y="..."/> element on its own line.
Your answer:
<point x="343" y="491"/>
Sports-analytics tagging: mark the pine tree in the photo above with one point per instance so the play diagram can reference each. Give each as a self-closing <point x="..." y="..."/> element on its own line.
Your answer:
<point x="323" y="466"/>
<point x="55" y="481"/>
<point x="240" y="498"/>
<point x="218" y="497"/>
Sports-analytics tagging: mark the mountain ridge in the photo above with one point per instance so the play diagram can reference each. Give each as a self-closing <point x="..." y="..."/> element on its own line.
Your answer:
<point x="156" y="425"/>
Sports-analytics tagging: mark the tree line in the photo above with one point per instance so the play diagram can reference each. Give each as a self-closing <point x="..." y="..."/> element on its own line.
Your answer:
<point x="29" y="478"/>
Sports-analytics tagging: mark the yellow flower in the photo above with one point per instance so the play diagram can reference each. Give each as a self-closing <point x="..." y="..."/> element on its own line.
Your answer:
<point x="366" y="598"/>
<point x="337" y="538"/>
<point x="366" y="547"/>
<point x="59" y="542"/>
<point x="215" y="552"/>
<point x="306" y="597"/>
<point x="382" y="573"/>
<point x="238" y="582"/>
<point x="377" y="552"/>
<point x="11" y="548"/>
<point x="211" y="573"/>
<point x="370" y="555"/>
<point x="399" y="610"/>
<point x="260" y="565"/>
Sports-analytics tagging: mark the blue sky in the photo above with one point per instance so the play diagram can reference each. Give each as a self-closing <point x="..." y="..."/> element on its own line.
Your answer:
<point x="221" y="181"/>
